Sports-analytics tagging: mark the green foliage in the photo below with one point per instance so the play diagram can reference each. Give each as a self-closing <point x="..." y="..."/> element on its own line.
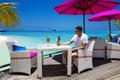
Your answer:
<point x="117" y="24"/>
<point x="47" y="38"/>
<point x="8" y="17"/>
<point x="58" y="39"/>
<point x="118" y="21"/>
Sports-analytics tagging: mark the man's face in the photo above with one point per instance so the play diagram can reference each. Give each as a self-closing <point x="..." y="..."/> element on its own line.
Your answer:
<point x="78" y="32"/>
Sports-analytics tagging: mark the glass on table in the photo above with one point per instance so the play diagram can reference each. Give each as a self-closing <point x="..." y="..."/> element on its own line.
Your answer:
<point x="58" y="40"/>
<point x="48" y="39"/>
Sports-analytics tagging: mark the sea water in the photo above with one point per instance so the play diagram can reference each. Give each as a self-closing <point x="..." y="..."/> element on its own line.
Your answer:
<point x="31" y="39"/>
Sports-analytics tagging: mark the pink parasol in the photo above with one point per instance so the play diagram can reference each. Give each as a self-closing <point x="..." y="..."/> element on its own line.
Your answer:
<point x="82" y="7"/>
<point x="106" y="15"/>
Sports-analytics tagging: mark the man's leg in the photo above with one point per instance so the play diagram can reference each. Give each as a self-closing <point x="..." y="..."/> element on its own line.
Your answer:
<point x="74" y="54"/>
<point x="74" y="69"/>
<point x="65" y="58"/>
<point x="65" y="53"/>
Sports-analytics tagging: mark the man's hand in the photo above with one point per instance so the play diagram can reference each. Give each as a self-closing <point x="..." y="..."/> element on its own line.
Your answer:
<point x="74" y="49"/>
<point x="67" y="43"/>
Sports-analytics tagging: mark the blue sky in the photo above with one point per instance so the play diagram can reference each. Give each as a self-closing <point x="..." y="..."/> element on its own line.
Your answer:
<point x="40" y="15"/>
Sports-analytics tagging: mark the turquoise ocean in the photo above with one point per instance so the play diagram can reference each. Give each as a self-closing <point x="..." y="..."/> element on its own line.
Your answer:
<point x="31" y="39"/>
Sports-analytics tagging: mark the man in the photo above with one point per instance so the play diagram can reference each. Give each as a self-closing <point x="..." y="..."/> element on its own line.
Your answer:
<point x="80" y="39"/>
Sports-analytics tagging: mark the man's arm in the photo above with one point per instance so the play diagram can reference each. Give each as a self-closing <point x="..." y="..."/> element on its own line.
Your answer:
<point x="67" y="43"/>
<point x="80" y="48"/>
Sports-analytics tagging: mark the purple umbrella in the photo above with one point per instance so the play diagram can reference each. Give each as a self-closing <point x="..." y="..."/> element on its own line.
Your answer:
<point x="106" y="15"/>
<point x="82" y="7"/>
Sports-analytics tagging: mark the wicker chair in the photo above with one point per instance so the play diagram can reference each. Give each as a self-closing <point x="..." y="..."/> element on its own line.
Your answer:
<point x="99" y="50"/>
<point x="113" y="50"/>
<point x="22" y="61"/>
<point x="84" y="58"/>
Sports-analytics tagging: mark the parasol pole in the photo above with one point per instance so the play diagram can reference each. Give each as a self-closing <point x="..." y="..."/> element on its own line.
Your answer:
<point x="84" y="21"/>
<point x="109" y="26"/>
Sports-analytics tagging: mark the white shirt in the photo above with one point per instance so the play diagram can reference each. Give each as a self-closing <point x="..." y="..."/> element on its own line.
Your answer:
<point x="78" y="41"/>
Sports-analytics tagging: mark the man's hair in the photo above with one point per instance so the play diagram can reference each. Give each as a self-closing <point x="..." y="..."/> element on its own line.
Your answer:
<point x="79" y="28"/>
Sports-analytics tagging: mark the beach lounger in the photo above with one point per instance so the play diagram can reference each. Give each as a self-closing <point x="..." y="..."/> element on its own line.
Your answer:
<point x="84" y="59"/>
<point x="23" y="60"/>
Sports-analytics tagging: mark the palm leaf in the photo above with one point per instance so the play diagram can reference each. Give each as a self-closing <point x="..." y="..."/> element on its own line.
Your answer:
<point x="118" y="21"/>
<point x="8" y="17"/>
